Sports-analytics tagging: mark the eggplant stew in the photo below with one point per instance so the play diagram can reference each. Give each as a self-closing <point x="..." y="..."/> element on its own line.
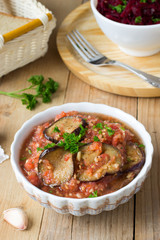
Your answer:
<point x="81" y="155"/>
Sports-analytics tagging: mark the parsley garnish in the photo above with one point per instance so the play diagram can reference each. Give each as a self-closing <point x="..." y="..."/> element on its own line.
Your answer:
<point x="138" y="19"/>
<point x="110" y="131"/>
<point x="143" y="1"/>
<point x="56" y="129"/>
<point x="96" y="139"/>
<point x="119" y="8"/>
<point x="49" y="145"/>
<point x="93" y="195"/>
<point x="43" y="90"/>
<point x="98" y="125"/>
<point x="155" y="20"/>
<point x="71" y="141"/>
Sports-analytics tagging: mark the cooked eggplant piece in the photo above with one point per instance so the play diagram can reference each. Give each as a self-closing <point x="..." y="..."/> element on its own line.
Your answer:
<point x="68" y="124"/>
<point x="135" y="157"/>
<point x="93" y="164"/>
<point x="55" y="166"/>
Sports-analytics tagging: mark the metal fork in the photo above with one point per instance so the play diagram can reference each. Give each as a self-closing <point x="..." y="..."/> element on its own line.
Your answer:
<point x="92" y="56"/>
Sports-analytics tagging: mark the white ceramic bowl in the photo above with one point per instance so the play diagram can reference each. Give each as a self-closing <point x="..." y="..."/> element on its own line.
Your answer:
<point x="83" y="206"/>
<point x="134" y="40"/>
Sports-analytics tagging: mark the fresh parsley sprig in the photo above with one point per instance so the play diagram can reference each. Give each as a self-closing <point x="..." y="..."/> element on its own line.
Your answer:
<point x="43" y="90"/>
<point x="71" y="141"/>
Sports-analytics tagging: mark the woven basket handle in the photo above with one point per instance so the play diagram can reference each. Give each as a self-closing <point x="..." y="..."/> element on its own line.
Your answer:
<point x="43" y="19"/>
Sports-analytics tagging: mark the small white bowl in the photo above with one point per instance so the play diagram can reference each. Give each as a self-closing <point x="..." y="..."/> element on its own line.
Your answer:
<point x="134" y="40"/>
<point x="83" y="206"/>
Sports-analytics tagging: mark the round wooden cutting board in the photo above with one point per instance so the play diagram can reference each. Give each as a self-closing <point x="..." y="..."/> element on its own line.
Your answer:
<point x="110" y="78"/>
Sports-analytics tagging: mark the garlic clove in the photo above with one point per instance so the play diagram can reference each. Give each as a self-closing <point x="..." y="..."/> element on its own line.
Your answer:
<point x="16" y="217"/>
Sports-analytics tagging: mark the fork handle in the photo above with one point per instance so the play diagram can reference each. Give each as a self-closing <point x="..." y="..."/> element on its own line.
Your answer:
<point x="153" y="80"/>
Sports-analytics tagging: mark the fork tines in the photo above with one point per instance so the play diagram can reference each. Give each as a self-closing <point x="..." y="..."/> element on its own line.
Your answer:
<point x="82" y="46"/>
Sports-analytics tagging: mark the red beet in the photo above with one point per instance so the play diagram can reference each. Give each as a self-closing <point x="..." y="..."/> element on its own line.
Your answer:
<point x="134" y="12"/>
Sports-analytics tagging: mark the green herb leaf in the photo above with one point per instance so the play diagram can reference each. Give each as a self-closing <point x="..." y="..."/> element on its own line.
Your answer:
<point x="49" y="145"/>
<point x="39" y="149"/>
<point x="141" y="146"/>
<point x="96" y="139"/>
<point x="43" y="91"/>
<point x="119" y="8"/>
<point x="122" y="128"/>
<point x="93" y="195"/>
<point x="71" y="141"/>
<point x="36" y="79"/>
<point x="98" y="125"/>
<point x="138" y="19"/>
<point x="29" y="100"/>
<point x="155" y="20"/>
<point x="143" y="1"/>
<point x="110" y="131"/>
<point x="56" y="129"/>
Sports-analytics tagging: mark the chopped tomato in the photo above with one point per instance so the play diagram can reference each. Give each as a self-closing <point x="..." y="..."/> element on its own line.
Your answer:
<point x="29" y="164"/>
<point x="62" y="114"/>
<point x="33" y="178"/>
<point x="67" y="157"/>
<point x="95" y="146"/>
<point x="117" y="138"/>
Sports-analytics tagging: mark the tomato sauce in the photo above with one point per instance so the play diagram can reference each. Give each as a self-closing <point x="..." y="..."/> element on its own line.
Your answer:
<point x="107" y="130"/>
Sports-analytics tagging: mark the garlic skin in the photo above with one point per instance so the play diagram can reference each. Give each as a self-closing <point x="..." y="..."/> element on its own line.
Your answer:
<point x="16" y="217"/>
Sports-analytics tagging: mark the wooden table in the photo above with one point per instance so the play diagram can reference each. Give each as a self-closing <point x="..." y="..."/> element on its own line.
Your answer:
<point x="138" y="219"/>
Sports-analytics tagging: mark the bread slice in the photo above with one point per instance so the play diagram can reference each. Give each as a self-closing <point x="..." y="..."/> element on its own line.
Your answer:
<point x="9" y="22"/>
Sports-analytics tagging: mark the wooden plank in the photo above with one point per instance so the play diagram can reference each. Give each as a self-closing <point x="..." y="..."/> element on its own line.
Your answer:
<point x="148" y="199"/>
<point x="77" y="91"/>
<point x="114" y="225"/>
<point x="56" y="226"/>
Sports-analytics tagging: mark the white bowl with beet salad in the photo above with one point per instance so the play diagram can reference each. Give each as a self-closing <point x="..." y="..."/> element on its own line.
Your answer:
<point x="81" y="158"/>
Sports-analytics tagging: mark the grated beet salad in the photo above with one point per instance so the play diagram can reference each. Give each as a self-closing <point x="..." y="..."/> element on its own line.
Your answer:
<point x="134" y="12"/>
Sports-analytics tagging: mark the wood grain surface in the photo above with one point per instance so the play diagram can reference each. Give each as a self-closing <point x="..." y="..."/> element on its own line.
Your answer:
<point x="136" y="220"/>
<point x="109" y="78"/>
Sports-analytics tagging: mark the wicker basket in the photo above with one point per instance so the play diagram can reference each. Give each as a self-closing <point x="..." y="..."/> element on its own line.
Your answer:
<point x="28" y="42"/>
